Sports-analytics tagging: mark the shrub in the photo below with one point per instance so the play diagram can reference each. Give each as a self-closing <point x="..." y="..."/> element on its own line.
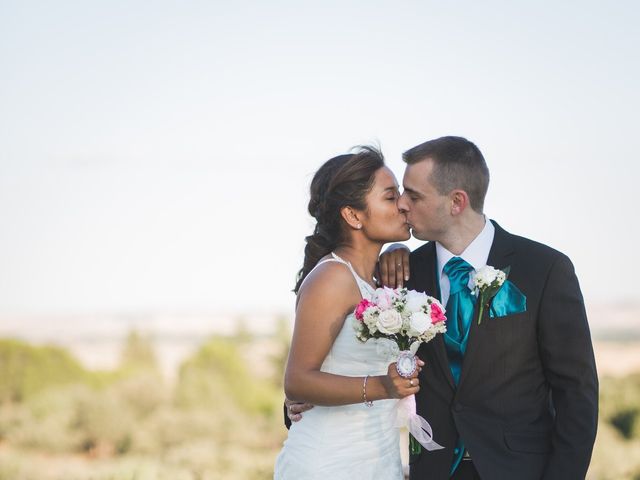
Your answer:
<point x="625" y="421"/>
<point x="26" y="369"/>
<point x="103" y="423"/>
<point x="138" y="354"/>
<point x="218" y="375"/>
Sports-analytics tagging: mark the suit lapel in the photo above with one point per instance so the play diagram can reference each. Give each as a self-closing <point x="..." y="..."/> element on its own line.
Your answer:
<point x="426" y="278"/>
<point x="499" y="257"/>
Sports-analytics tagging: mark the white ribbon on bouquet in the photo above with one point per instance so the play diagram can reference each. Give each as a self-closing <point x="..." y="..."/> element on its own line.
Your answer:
<point x="417" y="426"/>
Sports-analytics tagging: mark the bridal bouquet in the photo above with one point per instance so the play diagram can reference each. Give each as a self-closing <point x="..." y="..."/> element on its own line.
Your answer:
<point x="404" y="316"/>
<point x="408" y="318"/>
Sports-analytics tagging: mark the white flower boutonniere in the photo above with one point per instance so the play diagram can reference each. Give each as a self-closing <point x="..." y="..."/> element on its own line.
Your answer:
<point x="486" y="283"/>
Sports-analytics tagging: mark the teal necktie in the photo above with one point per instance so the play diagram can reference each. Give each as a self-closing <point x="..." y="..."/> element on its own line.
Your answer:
<point x="459" y="313"/>
<point x="460" y="308"/>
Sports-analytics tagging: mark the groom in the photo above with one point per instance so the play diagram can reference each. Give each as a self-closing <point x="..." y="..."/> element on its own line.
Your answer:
<point x="513" y="394"/>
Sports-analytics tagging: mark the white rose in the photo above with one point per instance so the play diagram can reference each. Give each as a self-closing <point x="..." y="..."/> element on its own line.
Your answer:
<point x="487" y="274"/>
<point x="419" y="322"/>
<point x="389" y="322"/>
<point x="415" y="301"/>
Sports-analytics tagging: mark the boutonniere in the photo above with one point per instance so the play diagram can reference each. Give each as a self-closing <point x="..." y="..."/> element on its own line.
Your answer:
<point x="486" y="283"/>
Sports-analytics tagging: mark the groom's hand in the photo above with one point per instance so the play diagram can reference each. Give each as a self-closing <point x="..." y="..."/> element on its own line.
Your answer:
<point x="393" y="265"/>
<point x="295" y="409"/>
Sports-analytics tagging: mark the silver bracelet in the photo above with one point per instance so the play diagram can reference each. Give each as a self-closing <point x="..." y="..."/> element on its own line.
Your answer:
<point x="368" y="403"/>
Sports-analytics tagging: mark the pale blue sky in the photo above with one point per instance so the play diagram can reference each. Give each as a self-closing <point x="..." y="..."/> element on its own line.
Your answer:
<point x="156" y="155"/>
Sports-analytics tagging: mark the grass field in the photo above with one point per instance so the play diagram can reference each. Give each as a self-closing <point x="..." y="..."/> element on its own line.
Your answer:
<point x="218" y="416"/>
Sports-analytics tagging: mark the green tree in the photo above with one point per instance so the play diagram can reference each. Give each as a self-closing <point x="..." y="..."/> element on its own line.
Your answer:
<point x="138" y="353"/>
<point x="217" y="375"/>
<point x="26" y="369"/>
<point x="243" y="335"/>
<point x="282" y="339"/>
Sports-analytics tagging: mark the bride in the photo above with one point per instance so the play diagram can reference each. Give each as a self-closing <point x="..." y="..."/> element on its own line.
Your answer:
<point x="350" y="433"/>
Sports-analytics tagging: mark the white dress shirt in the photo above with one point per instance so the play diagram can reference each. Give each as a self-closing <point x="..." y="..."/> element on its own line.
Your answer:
<point x="476" y="255"/>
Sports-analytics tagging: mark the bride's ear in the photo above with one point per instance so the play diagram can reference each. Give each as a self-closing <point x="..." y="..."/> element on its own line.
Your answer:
<point x="352" y="217"/>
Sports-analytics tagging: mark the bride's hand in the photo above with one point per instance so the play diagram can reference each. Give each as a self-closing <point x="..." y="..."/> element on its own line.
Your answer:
<point x="400" y="387"/>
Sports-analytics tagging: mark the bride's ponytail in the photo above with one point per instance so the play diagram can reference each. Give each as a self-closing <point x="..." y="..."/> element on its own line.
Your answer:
<point x="342" y="181"/>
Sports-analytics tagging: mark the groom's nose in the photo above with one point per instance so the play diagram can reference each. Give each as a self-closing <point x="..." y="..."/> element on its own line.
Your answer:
<point x="402" y="203"/>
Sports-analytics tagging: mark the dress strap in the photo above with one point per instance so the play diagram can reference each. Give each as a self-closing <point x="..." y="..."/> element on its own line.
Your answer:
<point x="348" y="264"/>
<point x="320" y="263"/>
<point x="327" y="260"/>
<point x="363" y="286"/>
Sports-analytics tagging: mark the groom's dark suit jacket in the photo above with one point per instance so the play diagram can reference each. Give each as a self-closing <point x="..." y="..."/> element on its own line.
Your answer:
<point x="526" y="406"/>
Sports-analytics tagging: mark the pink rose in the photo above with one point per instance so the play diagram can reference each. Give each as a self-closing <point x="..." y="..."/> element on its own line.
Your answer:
<point x="437" y="315"/>
<point x="362" y="306"/>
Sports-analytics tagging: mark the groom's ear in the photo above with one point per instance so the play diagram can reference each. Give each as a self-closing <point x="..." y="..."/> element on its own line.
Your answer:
<point x="352" y="217"/>
<point x="459" y="201"/>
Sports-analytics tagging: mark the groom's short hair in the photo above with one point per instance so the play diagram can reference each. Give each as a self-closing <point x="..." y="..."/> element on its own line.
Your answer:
<point x="457" y="164"/>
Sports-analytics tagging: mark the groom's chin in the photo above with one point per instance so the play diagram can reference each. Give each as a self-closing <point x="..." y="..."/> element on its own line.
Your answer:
<point x="421" y="237"/>
<point x="414" y="234"/>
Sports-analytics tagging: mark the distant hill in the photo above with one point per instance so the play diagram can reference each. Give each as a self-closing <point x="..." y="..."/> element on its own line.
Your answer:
<point x="619" y="322"/>
<point x="96" y="339"/>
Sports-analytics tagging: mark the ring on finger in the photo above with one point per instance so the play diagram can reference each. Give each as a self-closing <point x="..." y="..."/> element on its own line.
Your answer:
<point x="411" y="382"/>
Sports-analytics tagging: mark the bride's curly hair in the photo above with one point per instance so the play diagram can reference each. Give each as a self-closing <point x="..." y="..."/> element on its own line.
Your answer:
<point x="342" y="181"/>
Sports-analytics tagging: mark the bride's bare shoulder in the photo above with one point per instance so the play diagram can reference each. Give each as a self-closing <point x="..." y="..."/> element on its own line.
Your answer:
<point x="329" y="281"/>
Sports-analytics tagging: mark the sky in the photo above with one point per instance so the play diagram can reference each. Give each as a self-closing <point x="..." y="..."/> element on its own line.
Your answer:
<point x="157" y="156"/>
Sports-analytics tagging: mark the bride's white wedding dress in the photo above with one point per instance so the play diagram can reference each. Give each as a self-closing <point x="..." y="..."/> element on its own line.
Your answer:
<point x="350" y="442"/>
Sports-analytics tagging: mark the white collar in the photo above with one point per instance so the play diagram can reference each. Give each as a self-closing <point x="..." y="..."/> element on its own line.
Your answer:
<point x="476" y="253"/>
